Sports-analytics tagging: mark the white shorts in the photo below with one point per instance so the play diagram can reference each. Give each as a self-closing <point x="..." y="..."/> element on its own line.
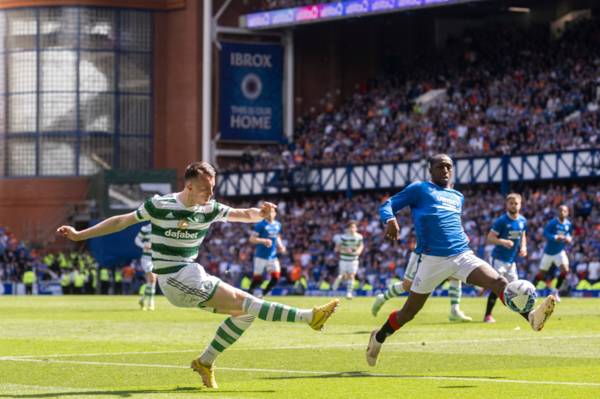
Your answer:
<point x="146" y="263"/>
<point x="348" y="266"/>
<point x="560" y="259"/>
<point x="411" y="268"/>
<point x="190" y="287"/>
<point x="270" y="265"/>
<point x="505" y="269"/>
<point x="433" y="270"/>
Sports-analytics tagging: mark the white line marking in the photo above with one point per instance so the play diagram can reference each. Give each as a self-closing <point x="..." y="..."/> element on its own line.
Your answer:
<point x="314" y="372"/>
<point x="443" y="342"/>
<point x="332" y="346"/>
<point x="96" y="354"/>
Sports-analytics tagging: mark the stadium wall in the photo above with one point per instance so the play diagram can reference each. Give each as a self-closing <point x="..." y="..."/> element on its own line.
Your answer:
<point x="34" y="208"/>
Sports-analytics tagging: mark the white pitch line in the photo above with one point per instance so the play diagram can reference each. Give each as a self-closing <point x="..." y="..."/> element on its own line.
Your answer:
<point x="444" y="342"/>
<point x="331" y="346"/>
<point x="97" y="354"/>
<point x="314" y="372"/>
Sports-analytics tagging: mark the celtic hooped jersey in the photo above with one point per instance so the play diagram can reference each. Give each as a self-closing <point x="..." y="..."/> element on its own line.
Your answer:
<point x="348" y="246"/>
<point x="178" y="231"/>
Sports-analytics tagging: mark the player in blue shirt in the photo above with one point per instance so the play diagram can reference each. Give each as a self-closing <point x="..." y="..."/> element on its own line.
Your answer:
<point x="267" y="238"/>
<point x="558" y="233"/>
<point x="397" y="289"/>
<point x="508" y="234"/>
<point x="444" y="250"/>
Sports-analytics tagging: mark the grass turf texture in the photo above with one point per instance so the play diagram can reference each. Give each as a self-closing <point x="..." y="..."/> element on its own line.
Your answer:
<point x="105" y="347"/>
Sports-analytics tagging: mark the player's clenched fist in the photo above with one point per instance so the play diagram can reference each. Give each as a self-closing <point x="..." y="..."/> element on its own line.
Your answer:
<point x="68" y="232"/>
<point x="392" y="230"/>
<point x="266" y="207"/>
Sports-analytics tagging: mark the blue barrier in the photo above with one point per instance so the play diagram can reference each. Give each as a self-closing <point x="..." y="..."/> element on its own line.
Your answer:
<point x="503" y="170"/>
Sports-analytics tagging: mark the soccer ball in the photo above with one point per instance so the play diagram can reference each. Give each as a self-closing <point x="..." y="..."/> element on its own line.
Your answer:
<point x="520" y="296"/>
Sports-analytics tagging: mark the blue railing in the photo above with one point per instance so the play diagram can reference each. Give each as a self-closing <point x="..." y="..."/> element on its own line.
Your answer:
<point x="503" y="170"/>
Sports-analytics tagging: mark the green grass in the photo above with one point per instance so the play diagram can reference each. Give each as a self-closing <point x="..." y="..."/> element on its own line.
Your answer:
<point x="104" y="347"/>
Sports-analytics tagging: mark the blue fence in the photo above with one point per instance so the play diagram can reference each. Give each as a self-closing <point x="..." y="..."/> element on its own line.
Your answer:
<point x="501" y="170"/>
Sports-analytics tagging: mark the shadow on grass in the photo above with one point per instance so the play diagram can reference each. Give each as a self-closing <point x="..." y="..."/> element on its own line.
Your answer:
<point x="451" y="323"/>
<point x="362" y="374"/>
<point x="355" y="333"/>
<point x="132" y="393"/>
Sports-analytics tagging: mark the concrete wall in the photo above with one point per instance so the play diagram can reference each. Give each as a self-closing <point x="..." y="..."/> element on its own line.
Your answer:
<point x="178" y="87"/>
<point x="34" y="208"/>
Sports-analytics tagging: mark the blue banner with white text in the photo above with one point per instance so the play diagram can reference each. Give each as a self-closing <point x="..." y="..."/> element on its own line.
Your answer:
<point x="251" y="92"/>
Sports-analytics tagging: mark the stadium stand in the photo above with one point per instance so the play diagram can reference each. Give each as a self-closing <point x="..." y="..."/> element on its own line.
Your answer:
<point x="310" y="224"/>
<point x="526" y="93"/>
<point x="76" y="272"/>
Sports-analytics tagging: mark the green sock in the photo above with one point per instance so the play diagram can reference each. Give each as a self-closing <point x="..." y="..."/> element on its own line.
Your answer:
<point x="150" y="291"/>
<point x="350" y="286"/>
<point x="393" y="291"/>
<point x="455" y="292"/>
<point x="273" y="311"/>
<point x="228" y="332"/>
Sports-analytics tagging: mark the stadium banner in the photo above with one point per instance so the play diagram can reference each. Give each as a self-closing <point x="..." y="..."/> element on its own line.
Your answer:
<point x="116" y="249"/>
<point x="329" y="10"/>
<point x="251" y="92"/>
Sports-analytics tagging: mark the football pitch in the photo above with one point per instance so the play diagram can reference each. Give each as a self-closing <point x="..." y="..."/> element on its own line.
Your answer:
<point x="105" y="347"/>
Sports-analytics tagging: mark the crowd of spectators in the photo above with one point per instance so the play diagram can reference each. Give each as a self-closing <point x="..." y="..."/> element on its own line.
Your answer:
<point x="505" y="91"/>
<point x="15" y="257"/>
<point x="76" y="272"/>
<point x="311" y="223"/>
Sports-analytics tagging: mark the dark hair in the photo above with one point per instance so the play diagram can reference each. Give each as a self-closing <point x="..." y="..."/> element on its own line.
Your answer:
<point x="437" y="157"/>
<point x="196" y="169"/>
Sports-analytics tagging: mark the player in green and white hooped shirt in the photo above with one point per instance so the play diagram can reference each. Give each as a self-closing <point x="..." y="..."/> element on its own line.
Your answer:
<point x="142" y="240"/>
<point x="349" y="245"/>
<point x="180" y="222"/>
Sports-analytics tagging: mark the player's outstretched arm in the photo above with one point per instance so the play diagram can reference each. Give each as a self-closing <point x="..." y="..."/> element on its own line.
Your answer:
<point x="110" y="225"/>
<point x="250" y="215"/>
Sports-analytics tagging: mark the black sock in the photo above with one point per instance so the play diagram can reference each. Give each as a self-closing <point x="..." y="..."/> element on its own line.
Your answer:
<point x="525" y="315"/>
<point x="559" y="281"/>
<point x="255" y="284"/>
<point x="539" y="277"/>
<point x="385" y="331"/>
<point x="270" y="286"/>
<point x="491" y="302"/>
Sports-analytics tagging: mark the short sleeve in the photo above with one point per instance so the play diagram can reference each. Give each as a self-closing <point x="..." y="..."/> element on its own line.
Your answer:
<point x="497" y="226"/>
<point x="222" y="212"/>
<point x="144" y="211"/>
